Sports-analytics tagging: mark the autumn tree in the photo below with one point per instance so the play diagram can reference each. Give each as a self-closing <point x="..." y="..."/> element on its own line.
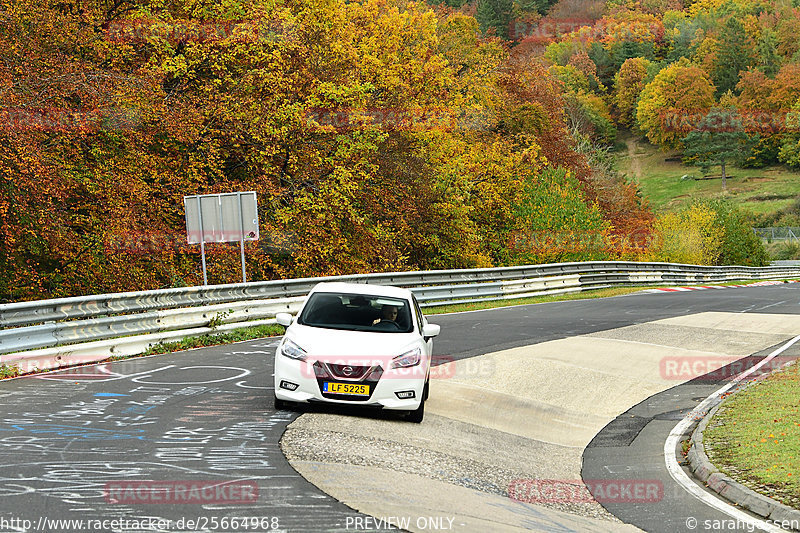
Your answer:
<point x="628" y="85"/>
<point x="786" y="87"/>
<point x="630" y="34"/>
<point x="754" y="90"/>
<point x="788" y="32"/>
<point x="378" y="135"/>
<point x="675" y="94"/>
<point x="585" y="65"/>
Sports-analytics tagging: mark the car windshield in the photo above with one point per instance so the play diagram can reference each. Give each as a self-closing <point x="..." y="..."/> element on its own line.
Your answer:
<point x="357" y="312"/>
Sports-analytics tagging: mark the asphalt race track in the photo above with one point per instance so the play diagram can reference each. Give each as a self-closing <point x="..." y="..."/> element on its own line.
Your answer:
<point x="631" y="447"/>
<point x="91" y="443"/>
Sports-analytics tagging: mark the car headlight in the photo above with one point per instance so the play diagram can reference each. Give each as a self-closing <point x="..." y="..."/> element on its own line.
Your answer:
<point x="293" y="351"/>
<point x="410" y="358"/>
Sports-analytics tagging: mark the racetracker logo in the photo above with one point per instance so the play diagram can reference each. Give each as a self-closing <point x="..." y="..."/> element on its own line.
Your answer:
<point x="716" y="368"/>
<point x="147" y="243"/>
<point x="173" y="492"/>
<point x="349" y="119"/>
<point x="547" y="30"/>
<point x="64" y="120"/>
<point x="586" y="491"/>
<point x="372" y="368"/>
<point x="145" y="31"/>
<point x="685" y="121"/>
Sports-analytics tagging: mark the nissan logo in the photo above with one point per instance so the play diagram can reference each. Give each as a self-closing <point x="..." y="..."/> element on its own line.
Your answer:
<point x="347" y="370"/>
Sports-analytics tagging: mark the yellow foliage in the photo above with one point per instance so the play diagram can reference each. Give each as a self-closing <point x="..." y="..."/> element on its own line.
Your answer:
<point x="705" y="6"/>
<point x="751" y="27"/>
<point x="693" y="236"/>
<point x="706" y="54"/>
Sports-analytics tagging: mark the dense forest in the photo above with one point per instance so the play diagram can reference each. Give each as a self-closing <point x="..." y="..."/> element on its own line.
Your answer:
<point x="378" y="134"/>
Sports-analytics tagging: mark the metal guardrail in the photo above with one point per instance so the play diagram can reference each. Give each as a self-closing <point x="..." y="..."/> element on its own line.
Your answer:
<point x="58" y="332"/>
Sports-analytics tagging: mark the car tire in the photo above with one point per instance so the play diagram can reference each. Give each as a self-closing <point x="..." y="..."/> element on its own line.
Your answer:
<point x="282" y="405"/>
<point x="417" y="414"/>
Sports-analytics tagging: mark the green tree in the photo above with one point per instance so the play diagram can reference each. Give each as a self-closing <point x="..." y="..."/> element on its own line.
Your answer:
<point x="767" y="48"/>
<point x="682" y="37"/>
<point x="535" y="6"/>
<point x="605" y="63"/>
<point x="736" y="53"/>
<point x="740" y="244"/>
<point x="555" y="222"/>
<point x="449" y="3"/>
<point x="718" y="139"/>
<point x="495" y="15"/>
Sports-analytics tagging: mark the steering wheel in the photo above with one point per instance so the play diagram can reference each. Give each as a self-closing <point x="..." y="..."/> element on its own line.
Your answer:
<point x="387" y="321"/>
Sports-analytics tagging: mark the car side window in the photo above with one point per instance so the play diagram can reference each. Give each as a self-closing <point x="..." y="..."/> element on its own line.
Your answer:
<point x="420" y="322"/>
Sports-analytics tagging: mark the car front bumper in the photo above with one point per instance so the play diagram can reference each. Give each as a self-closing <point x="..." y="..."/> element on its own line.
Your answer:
<point x="383" y="393"/>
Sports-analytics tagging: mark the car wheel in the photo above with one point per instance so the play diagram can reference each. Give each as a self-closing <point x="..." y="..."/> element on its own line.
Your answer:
<point x="417" y="414"/>
<point x="282" y="405"/>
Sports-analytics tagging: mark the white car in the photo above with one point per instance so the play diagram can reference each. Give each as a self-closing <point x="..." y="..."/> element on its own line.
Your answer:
<point x="356" y="344"/>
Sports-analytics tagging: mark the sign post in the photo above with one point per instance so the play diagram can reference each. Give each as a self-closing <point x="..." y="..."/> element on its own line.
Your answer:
<point x="226" y="217"/>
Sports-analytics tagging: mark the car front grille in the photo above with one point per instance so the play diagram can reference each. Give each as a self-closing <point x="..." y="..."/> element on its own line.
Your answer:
<point x="347" y="372"/>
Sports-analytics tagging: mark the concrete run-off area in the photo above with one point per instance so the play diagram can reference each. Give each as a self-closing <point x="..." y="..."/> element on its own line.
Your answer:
<point x="520" y="419"/>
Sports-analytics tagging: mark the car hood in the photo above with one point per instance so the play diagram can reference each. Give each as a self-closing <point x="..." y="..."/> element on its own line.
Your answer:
<point x="332" y="342"/>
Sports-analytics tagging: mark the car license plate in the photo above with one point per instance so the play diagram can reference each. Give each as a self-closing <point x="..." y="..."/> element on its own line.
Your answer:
<point x="345" y="388"/>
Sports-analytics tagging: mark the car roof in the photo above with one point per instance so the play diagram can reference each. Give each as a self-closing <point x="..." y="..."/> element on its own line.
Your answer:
<point x="362" y="288"/>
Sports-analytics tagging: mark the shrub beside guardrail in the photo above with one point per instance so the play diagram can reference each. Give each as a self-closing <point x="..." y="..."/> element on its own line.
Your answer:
<point x="51" y="333"/>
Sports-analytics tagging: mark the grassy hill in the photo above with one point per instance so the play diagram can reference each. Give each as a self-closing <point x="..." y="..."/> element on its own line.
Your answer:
<point x="669" y="184"/>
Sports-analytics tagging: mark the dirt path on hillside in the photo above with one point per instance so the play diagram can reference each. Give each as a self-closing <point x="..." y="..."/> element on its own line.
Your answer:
<point x="634" y="160"/>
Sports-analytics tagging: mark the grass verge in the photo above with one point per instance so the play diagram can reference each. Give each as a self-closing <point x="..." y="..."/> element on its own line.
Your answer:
<point x="755" y="437"/>
<point x="210" y="339"/>
<point x="782" y="251"/>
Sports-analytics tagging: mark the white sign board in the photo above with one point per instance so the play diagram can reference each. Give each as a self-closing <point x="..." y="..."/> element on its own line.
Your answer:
<point x="221" y="217"/>
<point x="227" y="217"/>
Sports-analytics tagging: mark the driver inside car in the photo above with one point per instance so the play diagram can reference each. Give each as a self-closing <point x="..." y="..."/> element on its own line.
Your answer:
<point x="388" y="314"/>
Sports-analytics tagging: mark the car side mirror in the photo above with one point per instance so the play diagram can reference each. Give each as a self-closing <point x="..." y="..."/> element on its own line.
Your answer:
<point x="284" y="319"/>
<point x="430" y="330"/>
